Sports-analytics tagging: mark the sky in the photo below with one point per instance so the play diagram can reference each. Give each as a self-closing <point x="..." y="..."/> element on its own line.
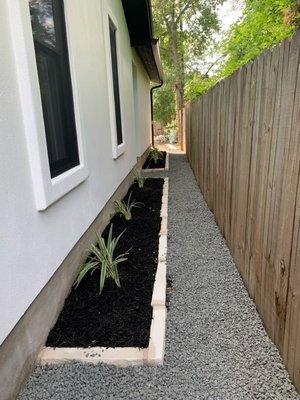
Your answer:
<point x="230" y="12"/>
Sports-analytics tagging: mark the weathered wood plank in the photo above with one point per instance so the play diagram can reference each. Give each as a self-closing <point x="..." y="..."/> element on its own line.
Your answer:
<point x="267" y="265"/>
<point x="244" y="146"/>
<point x="260" y="173"/>
<point x="236" y="160"/>
<point x="291" y="352"/>
<point x="256" y="108"/>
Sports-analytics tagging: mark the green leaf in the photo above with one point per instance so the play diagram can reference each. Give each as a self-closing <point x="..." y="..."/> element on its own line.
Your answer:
<point x="102" y="277"/>
<point x="102" y="257"/>
<point x="84" y="270"/>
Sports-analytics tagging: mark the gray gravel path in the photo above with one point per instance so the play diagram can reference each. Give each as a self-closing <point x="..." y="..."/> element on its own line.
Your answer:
<point x="216" y="346"/>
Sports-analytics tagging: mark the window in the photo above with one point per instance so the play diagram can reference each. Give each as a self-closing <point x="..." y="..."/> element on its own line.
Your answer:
<point x="115" y="78"/>
<point x="49" y="33"/>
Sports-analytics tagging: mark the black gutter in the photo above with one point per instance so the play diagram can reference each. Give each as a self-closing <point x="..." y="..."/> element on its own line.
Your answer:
<point x="138" y="14"/>
<point x="156" y="55"/>
<point x="152" y="110"/>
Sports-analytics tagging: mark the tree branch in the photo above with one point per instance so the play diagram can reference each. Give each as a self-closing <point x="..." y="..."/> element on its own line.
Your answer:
<point x="183" y="10"/>
<point x="212" y="65"/>
<point x="168" y="25"/>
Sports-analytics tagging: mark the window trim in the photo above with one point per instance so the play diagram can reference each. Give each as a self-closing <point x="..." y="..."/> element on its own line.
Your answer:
<point x="107" y="14"/>
<point x="46" y="190"/>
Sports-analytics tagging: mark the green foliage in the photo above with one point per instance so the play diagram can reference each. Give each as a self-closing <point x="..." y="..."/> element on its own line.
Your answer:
<point x="102" y="257"/>
<point x="197" y="84"/>
<point x="264" y="23"/>
<point x="138" y="178"/>
<point x="155" y="155"/>
<point x="164" y="104"/>
<point x="184" y="27"/>
<point x="125" y="209"/>
<point x="170" y="127"/>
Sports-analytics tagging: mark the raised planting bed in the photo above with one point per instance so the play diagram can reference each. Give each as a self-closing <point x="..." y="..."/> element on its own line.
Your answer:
<point x="162" y="164"/>
<point x="123" y="325"/>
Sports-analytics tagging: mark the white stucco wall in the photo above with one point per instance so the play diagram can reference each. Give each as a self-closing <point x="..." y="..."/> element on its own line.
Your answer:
<point x="34" y="243"/>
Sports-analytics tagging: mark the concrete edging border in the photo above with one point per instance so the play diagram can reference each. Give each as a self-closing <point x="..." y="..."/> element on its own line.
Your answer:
<point x="127" y="356"/>
<point x="160" y="169"/>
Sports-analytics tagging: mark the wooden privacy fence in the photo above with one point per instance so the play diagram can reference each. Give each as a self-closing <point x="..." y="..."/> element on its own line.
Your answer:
<point x="243" y="144"/>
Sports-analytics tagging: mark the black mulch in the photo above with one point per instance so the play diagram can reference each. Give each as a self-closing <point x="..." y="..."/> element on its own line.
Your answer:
<point x="169" y="291"/>
<point x="119" y="317"/>
<point x="161" y="163"/>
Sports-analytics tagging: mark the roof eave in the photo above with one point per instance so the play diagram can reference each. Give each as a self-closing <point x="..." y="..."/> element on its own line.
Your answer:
<point x="138" y="16"/>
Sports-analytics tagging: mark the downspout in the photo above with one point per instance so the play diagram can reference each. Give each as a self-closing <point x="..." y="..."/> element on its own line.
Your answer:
<point x="152" y="111"/>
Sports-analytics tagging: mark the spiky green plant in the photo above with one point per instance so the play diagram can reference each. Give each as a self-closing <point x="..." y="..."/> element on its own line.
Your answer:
<point x="155" y="155"/>
<point x="125" y="208"/>
<point x="102" y="257"/>
<point x="139" y="179"/>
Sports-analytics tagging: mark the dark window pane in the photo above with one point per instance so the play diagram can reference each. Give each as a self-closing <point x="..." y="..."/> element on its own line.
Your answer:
<point x="52" y="104"/>
<point x="115" y="74"/>
<point x="50" y="40"/>
<point x="42" y="20"/>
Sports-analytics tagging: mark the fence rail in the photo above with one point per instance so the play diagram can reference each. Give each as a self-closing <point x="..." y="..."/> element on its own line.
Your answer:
<point x="243" y="144"/>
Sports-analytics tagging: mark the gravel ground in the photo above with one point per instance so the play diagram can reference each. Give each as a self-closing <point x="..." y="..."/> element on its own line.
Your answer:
<point x="216" y="347"/>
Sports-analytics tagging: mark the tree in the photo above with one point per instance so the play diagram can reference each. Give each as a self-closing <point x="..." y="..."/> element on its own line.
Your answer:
<point x="197" y="83"/>
<point x="164" y="105"/>
<point x="184" y="28"/>
<point x="264" y="23"/>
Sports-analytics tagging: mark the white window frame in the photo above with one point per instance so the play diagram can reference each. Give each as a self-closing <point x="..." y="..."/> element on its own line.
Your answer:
<point x="46" y="190"/>
<point x="117" y="150"/>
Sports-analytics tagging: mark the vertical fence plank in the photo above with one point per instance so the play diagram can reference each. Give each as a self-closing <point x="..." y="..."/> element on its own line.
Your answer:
<point x="244" y="145"/>
<point x="292" y="329"/>
<point x="260" y="150"/>
<point x="207" y="148"/>
<point x="202" y="145"/>
<point x="221" y="131"/>
<point x="257" y="98"/>
<point x="230" y="150"/>
<point x="267" y="266"/>
<point x="198" y="143"/>
<point x="225" y="154"/>
<point x="211" y="137"/>
<point x="236" y="159"/>
<point x="187" y="130"/>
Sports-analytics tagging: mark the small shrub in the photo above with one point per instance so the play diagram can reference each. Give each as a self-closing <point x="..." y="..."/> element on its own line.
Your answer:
<point x="139" y="179"/>
<point x="125" y="208"/>
<point x="155" y="155"/>
<point x="102" y="257"/>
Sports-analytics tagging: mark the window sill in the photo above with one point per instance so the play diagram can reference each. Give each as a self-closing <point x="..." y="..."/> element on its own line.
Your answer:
<point x="118" y="150"/>
<point x="56" y="188"/>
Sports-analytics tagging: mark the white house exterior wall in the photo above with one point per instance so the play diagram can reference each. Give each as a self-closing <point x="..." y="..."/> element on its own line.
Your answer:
<point x="34" y="243"/>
